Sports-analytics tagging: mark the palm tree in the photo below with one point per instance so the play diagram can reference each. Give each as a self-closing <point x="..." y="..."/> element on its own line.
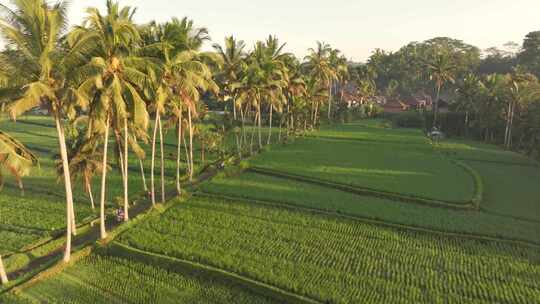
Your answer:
<point x="441" y="70"/>
<point x="319" y="68"/>
<point x="182" y="75"/>
<point x="491" y="97"/>
<point x="520" y="90"/>
<point x="468" y="93"/>
<point x="114" y="80"/>
<point x="17" y="159"/>
<point x="33" y="28"/>
<point x="233" y="56"/>
<point x="296" y="88"/>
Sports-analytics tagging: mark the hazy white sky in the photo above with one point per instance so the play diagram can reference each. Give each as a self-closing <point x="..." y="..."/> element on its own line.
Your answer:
<point x="354" y="26"/>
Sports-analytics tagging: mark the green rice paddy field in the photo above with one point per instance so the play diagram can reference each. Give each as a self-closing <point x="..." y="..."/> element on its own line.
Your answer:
<point x="297" y="236"/>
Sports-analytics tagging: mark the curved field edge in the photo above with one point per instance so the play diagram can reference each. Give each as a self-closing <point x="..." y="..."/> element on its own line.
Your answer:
<point x="122" y="250"/>
<point x="372" y="221"/>
<point x="274" y="189"/>
<point x="367" y="191"/>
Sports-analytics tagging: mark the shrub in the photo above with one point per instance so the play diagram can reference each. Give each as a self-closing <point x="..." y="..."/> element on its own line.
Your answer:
<point x="409" y="120"/>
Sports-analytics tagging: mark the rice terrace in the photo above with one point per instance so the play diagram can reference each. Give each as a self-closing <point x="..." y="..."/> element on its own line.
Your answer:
<point x="147" y="162"/>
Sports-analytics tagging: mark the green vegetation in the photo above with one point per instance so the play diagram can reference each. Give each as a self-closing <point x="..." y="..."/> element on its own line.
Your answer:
<point x="365" y="211"/>
<point x="108" y="279"/>
<point x="509" y="178"/>
<point x="253" y="186"/>
<point x="391" y="163"/>
<point x="338" y="259"/>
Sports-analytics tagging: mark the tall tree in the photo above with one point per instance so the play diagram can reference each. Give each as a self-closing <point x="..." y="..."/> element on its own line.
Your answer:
<point x="468" y="94"/>
<point x="530" y="54"/>
<point x="113" y="79"/>
<point x="320" y="68"/>
<point x="232" y="55"/>
<point x="521" y="89"/>
<point x="441" y="70"/>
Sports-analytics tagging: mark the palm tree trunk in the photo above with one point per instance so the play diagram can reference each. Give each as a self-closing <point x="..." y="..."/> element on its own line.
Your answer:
<point x="153" y="161"/>
<point x="270" y="124"/>
<point x="436" y="110"/>
<point x="243" y="139"/>
<point x="202" y="151"/>
<point x="511" y="125"/>
<point x="316" y="115"/>
<point x="103" y="232"/>
<point x="3" y="276"/>
<point x="126" y="164"/>
<point x="253" y="134"/>
<point x="188" y="162"/>
<point x="238" y="145"/>
<point x="191" y="169"/>
<point x="466" y="123"/>
<point x="279" y="130"/>
<point x="330" y="102"/>
<point x="259" y="124"/>
<point x="90" y="194"/>
<point x="143" y="176"/>
<point x="162" y="152"/>
<point x="178" y="152"/>
<point x="67" y="184"/>
<point x="234" y="108"/>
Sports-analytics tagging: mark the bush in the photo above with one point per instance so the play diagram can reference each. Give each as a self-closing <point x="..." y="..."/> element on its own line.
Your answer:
<point x="409" y="120"/>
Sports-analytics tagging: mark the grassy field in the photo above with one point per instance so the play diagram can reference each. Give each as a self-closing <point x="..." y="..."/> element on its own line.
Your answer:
<point x="312" y="239"/>
<point x="41" y="211"/>
<point x="285" y="191"/>
<point x="401" y="161"/>
<point x="339" y="260"/>
<point x="108" y="279"/>
<point x="510" y="179"/>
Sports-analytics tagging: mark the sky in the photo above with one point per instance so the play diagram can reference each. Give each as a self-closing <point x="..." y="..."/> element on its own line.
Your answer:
<point x="356" y="27"/>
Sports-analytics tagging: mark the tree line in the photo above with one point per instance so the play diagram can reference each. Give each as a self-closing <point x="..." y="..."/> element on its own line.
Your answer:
<point x="111" y="79"/>
<point x="492" y="95"/>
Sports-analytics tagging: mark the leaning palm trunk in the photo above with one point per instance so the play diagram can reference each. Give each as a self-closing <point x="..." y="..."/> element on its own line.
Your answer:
<point x="3" y="276"/>
<point x="162" y="163"/>
<point x="90" y="194"/>
<point x="67" y="184"/>
<point x="270" y="125"/>
<point x="126" y="198"/>
<point x="143" y="175"/>
<point x="153" y="161"/>
<point x="178" y="152"/>
<point x="103" y="232"/>
<point x="188" y="162"/>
